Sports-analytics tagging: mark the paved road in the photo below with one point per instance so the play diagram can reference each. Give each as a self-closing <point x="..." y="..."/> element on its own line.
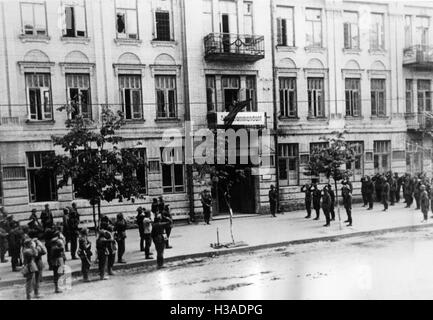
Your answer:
<point x="389" y="266"/>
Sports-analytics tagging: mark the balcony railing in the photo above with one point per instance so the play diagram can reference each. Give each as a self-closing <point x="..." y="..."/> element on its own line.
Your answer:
<point x="419" y="57"/>
<point x="422" y="121"/>
<point x="234" y="47"/>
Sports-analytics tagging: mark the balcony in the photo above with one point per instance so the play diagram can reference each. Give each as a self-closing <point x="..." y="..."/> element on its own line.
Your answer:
<point x="418" y="57"/>
<point x="419" y="121"/>
<point x="247" y="119"/>
<point x="229" y="47"/>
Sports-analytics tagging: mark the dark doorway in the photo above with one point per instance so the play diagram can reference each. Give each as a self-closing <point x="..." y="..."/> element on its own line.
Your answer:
<point x="225" y="29"/>
<point x="230" y="96"/>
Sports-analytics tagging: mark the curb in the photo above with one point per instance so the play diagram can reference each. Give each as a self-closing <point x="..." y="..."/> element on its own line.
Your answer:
<point x="150" y="264"/>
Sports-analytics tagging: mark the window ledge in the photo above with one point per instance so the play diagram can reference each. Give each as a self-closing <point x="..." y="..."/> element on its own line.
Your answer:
<point x="354" y="117"/>
<point x="75" y="40"/>
<point x="36" y="122"/>
<point x="127" y="42"/>
<point x="31" y="38"/>
<point x="317" y="118"/>
<point x="313" y="49"/>
<point x="352" y="50"/>
<point x="379" y="117"/>
<point x="281" y="48"/>
<point x="377" y="52"/>
<point x="163" y="43"/>
<point x="167" y="120"/>
<point x="283" y="118"/>
<point x="134" y="121"/>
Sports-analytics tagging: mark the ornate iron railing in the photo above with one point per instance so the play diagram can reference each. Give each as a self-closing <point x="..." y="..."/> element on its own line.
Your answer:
<point x="232" y="45"/>
<point x="418" y="55"/>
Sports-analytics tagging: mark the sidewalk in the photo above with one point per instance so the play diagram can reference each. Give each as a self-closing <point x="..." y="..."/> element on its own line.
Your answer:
<point x="258" y="231"/>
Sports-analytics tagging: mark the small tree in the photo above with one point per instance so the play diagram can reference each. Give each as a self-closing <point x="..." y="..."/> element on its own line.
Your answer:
<point x="98" y="169"/>
<point x="329" y="160"/>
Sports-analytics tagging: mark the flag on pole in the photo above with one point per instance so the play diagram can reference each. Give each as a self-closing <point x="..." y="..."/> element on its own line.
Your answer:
<point x="230" y="118"/>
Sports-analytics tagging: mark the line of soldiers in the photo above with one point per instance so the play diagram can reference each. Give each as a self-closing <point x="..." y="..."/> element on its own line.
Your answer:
<point x="325" y="199"/>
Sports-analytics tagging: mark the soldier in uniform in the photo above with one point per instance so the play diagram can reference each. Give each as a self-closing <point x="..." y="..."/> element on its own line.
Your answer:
<point x="154" y="207"/>
<point x="206" y="202"/>
<point x="364" y="191"/>
<point x="3" y="237"/>
<point x="392" y="189"/>
<point x="65" y="228"/>
<point x="316" y="200"/>
<point x="158" y="227"/>
<point x="369" y="190"/>
<point x="102" y="253"/>
<point x="408" y="190"/>
<point x="273" y="200"/>
<point x="16" y="238"/>
<point x="139" y="221"/>
<point x="47" y="218"/>
<point x="74" y="228"/>
<point x="425" y="202"/>
<point x="347" y="203"/>
<point x="332" y="195"/>
<point x="326" y="206"/>
<point x="39" y="263"/>
<point x="106" y="223"/>
<point x="147" y="230"/>
<point x="161" y="204"/>
<point x="120" y="236"/>
<point x="30" y="268"/>
<point x="85" y="253"/>
<point x="167" y="217"/>
<point x="399" y="185"/>
<point x="307" y="190"/>
<point x="112" y="250"/>
<point x="385" y="193"/>
<point x="416" y="193"/>
<point x="35" y="227"/>
<point x="57" y="258"/>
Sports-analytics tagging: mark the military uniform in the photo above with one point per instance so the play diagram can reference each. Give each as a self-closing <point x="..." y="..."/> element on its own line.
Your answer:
<point x="364" y="191"/>
<point x="316" y="201"/>
<point x="273" y="200"/>
<point x="332" y="209"/>
<point x="347" y="203"/>
<point x="16" y="238"/>
<point x="39" y="263"/>
<point x="416" y="194"/>
<point x="385" y="194"/>
<point x="29" y="270"/>
<point x="74" y="223"/>
<point x="326" y="206"/>
<point x="57" y="260"/>
<point x="3" y="240"/>
<point x="85" y="254"/>
<point x="102" y="253"/>
<point x="166" y="216"/>
<point x="139" y="221"/>
<point x="47" y="219"/>
<point x="120" y="236"/>
<point x="158" y="239"/>
<point x="425" y="203"/>
<point x="369" y="189"/>
<point x="307" y="190"/>
<point x="206" y="201"/>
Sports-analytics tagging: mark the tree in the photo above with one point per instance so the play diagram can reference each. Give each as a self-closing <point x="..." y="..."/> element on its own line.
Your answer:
<point x="328" y="160"/>
<point x="93" y="162"/>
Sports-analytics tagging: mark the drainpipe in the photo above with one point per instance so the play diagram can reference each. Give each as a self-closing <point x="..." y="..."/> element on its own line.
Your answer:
<point x="5" y="43"/>
<point x="185" y="69"/>
<point x="274" y="100"/>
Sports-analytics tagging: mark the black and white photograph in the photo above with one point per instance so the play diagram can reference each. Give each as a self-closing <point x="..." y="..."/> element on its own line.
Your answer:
<point x="217" y="150"/>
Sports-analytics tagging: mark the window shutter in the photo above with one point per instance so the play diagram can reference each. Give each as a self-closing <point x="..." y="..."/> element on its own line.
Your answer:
<point x="284" y="31"/>
<point x="279" y="31"/>
<point x="346" y="27"/>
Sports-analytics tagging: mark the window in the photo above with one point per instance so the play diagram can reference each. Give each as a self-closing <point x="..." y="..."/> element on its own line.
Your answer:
<point x="74" y="24"/>
<point x="211" y="93"/>
<point x="288" y="164"/>
<point x="33" y="21"/>
<point x="377" y="33"/>
<point x="353" y="97"/>
<point x="162" y="21"/>
<point x="38" y="86"/>
<point x="130" y="95"/>
<point x="231" y="88"/>
<point x="414" y="157"/>
<point x="288" y="107"/>
<point x="126" y="19"/>
<point x="407" y="31"/>
<point x="285" y="27"/>
<point x="356" y="167"/>
<point x="78" y="88"/>
<point x="424" y="96"/>
<point x="166" y="96"/>
<point x="42" y="185"/>
<point x="248" y="18"/>
<point x="313" y="24"/>
<point x="14" y="173"/>
<point x="382" y="156"/>
<point x="173" y="171"/>
<point x="378" y="106"/>
<point x="422" y="30"/>
<point x="316" y="105"/>
<point x="351" y="30"/>
<point x="250" y="93"/>
<point x="409" y="95"/>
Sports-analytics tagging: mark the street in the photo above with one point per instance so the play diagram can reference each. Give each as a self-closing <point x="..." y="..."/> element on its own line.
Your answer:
<point x="388" y="266"/>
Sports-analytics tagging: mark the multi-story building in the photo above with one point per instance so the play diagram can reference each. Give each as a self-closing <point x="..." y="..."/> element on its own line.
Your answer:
<point x="309" y="68"/>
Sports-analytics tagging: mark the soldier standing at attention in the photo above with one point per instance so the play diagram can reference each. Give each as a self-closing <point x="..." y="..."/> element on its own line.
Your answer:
<point x="74" y="229"/>
<point x="369" y="189"/>
<point x="85" y="254"/>
<point x="120" y="236"/>
<point x="316" y="200"/>
<point x="332" y="195"/>
<point x="29" y="268"/>
<point x="307" y="190"/>
<point x="425" y="202"/>
<point x="158" y="227"/>
<point x="347" y="202"/>
<point x="385" y="193"/>
<point x="273" y="200"/>
<point x="102" y="253"/>
<point x="326" y="206"/>
<point x="139" y="221"/>
<point x="206" y="202"/>
<point x="364" y="191"/>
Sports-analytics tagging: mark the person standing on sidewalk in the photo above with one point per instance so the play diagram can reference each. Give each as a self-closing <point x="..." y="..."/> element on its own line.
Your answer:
<point x="273" y="200"/>
<point x="47" y="218"/>
<point x="369" y="189"/>
<point x="102" y="253"/>
<point x="29" y="268"/>
<point x="154" y="208"/>
<point x="161" y="204"/>
<point x="364" y="191"/>
<point x="74" y="229"/>
<point x="332" y="195"/>
<point x="3" y="239"/>
<point x="147" y="231"/>
<point x="416" y="193"/>
<point x="206" y="202"/>
<point x="399" y="184"/>
<point x="16" y="238"/>
<point x="385" y="193"/>
<point x="39" y="263"/>
<point x="347" y="203"/>
<point x="167" y="217"/>
<point x="112" y="249"/>
<point x="139" y="221"/>
<point x="316" y="200"/>
<point x="326" y="206"/>
<point x="306" y="188"/>
<point x="408" y="190"/>
<point x="57" y="259"/>
<point x="158" y="238"/>
<point x="392" y="189"/>
<point x="85" y="253"/>
<point x="425" y="202"/>
<point x="120" y="236"/>
<point x="65" y="228"/>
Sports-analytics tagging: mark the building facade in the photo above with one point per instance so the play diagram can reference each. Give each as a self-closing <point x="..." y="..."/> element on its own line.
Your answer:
<point x="308" y="68"/>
